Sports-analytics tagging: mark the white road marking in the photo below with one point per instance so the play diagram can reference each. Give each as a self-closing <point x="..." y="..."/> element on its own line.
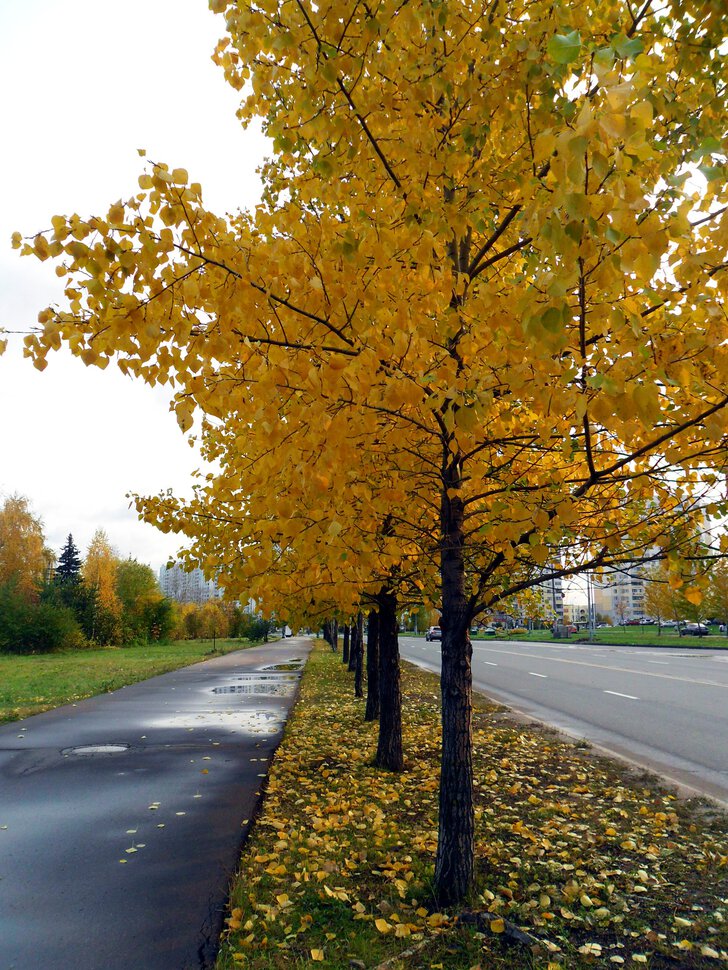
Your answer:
<point x="490" y="663"/>
<point x="630" y="697"/>
<point x="663" y="663"/>
<point x="537" y="675"/>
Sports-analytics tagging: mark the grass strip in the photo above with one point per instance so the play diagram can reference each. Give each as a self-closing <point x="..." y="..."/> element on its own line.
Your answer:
<point x="602" y="868"/>
<point x="630" y="636"/>
<point x="30" y="684"/>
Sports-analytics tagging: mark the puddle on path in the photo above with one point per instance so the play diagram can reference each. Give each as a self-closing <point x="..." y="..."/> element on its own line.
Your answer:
<point x="91" y="749"/>
<point x="276" y="685"/>
<point x="246" y="722"/>
<point x="277" y="690"/>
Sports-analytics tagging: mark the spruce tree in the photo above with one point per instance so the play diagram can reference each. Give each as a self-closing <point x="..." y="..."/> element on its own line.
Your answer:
<point x="68" y="569"/>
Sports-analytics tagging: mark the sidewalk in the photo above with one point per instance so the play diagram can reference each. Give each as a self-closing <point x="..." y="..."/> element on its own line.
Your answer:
<point x="121" y="817"/>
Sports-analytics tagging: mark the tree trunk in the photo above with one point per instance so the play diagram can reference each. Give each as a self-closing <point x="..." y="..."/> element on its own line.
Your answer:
<point x="353" y="645"/>
<point x="372" y="711"/>
<point x="335" y="635"/>
<point x="359" y="663"/>
<point x="389" y="747"/>
<point x="456" y="839"/>
<point x="345" y="648"/>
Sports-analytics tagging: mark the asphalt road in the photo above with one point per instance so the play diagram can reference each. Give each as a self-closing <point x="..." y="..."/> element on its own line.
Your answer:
<point x="120" y="858"/>
<point x="664" y="709"/>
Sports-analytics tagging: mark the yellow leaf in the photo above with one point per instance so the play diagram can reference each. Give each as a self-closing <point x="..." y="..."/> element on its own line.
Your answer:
<point x="317" y="955"/>
<point x="497" y="926"/>
<point x="693" y="595"/>
<point x="382" y="925"/>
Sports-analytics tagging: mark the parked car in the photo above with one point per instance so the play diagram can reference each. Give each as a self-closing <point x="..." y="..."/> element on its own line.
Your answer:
<point x="488" y="631"/>
<point x="694" y="630"/>
<point x="434" y="633"/>
<point x="670" y="623"/>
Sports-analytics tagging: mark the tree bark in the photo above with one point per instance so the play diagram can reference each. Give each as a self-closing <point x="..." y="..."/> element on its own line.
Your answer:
<point x="359" y="662"/>
<point x="335" y="635"/>
<point x="372" y="711"/>
<point x="456" y="839"/>
<point x="389" y="747"/>
<point x="345" y="648"/>
<point x="353" y="645"/>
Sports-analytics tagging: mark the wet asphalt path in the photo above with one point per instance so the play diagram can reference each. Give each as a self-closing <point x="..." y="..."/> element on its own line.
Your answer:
<point x="120" y="860"/>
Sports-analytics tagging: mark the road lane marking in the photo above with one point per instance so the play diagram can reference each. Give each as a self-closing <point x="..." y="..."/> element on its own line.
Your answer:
<point x="490" y="663"/>
<point x="624" y="670"/>
<point x="630" y="697"/>
<point x="537" y="675"/>
<point x="664" y="663"/>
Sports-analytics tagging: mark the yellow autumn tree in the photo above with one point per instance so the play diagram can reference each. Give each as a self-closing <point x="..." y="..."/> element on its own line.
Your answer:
<point x="490" y="259"/>
<point x="99" y="570"/>
<point x="24" y="557"/>
<point x="99" y="573"/>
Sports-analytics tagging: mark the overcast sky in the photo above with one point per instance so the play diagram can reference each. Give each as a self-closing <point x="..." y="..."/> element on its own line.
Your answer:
<point x="84" y="85"/>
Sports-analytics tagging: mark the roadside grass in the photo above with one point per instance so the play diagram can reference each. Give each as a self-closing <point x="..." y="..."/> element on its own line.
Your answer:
<point x="30" y="684"/>
<point x="627" y="636"/>
<point x="602" y="868"/>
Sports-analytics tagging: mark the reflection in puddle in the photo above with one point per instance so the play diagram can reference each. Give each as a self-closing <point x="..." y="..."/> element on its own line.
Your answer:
<point x="255" y="687"/>
<point x="270" y="678"/>
<point x="295" y="664"/>
<point x="250" y="722"/>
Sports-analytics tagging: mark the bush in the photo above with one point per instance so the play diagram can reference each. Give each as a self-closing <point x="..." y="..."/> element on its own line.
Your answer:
<point x="36" y="627"/>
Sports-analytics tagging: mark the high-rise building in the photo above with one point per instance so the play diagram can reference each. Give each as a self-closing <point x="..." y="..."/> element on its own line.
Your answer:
<point x="620" y="595"/>
<point x="552" y="595"/>
<point x="187" y="586"/>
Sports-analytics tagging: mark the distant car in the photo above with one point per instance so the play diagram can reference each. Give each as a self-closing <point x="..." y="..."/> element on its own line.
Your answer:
<point x="434" y="633"/>
<point x="694" y="630"/>
<point x="488" y="631"/>
<point x="669" y="623"/>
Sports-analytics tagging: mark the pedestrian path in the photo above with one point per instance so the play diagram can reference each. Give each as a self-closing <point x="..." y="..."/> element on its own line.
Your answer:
<point x="122" y="816"/>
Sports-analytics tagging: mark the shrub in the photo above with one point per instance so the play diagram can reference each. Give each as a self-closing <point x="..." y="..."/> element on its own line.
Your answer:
<point x="27" y="627"/>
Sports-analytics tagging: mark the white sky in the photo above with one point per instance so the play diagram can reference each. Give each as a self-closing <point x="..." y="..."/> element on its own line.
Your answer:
<point x="83" y="85"/>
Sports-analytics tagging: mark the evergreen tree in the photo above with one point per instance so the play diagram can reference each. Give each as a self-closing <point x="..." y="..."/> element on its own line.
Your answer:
<point x="68" y="569"/>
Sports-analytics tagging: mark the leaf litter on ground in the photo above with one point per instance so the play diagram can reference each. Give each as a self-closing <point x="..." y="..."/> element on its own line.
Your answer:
<point x="578" y="862"/>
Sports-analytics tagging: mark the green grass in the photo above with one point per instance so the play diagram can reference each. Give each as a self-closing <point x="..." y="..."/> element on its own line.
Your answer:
<point x="31" y="684"/>
<point x="626" y="636"/>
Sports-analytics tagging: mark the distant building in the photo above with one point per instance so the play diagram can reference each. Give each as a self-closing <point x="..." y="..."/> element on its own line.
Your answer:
<point x="187" y="587"/>
<point x="576" y="613"/>
<point x="552" y="597"/>
<point x="620" y="596"/>
<point x="548" y="606"/>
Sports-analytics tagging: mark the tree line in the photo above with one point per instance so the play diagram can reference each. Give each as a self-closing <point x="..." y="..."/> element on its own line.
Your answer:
<point x="68" y="602"/>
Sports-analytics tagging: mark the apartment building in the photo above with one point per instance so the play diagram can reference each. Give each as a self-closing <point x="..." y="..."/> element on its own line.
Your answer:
<point x="620" y="596"/>
<point x="187" y="586"/>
